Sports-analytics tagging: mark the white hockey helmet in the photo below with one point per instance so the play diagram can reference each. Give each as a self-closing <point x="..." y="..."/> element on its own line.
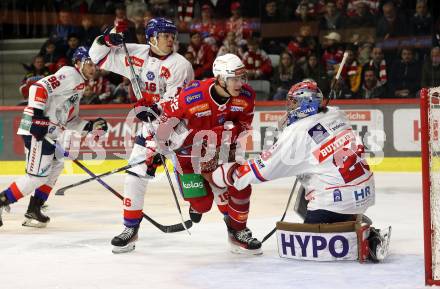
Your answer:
<point x="228" y="65"/>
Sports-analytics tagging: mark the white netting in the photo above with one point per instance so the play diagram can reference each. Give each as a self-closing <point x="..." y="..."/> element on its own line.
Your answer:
<point x="434" y="176"/>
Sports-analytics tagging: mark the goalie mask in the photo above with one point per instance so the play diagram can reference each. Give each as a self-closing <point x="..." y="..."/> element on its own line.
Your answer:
<point x="303" y="99"/>
<point x="230" y="73"/>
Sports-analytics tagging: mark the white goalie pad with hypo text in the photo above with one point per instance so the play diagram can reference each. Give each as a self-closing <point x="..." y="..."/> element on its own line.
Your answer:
<point x="323" y="242"/>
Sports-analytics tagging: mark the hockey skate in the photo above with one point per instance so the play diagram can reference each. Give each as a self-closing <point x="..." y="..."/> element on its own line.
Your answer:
<point x="4" y="205"/>
<point x="125" y="242"/>
<point x="242" y="241"/>
<point x="34" y="217"/>
<point x="379" y="241"/>
<point x="194" y="215"/>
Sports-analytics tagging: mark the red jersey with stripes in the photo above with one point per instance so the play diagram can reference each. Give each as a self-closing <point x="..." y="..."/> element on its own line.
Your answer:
<point x="325" y="154"/>
<point x="58" y="95"/>
<point x="196" y="106"/>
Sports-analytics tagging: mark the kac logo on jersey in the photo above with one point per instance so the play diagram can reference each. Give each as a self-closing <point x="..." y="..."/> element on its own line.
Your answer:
<point x="150" y="75"/>
<point x="318" y="133"/>
<point x="337" y="196"/>
<point x="193" y="97"/>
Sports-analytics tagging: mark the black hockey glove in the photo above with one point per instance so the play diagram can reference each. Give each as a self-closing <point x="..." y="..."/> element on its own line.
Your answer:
<point x="112" y="36"/>
<point x="153" y="164"/>
<point x="40" y="124"/>
<point x="146" y="113"/>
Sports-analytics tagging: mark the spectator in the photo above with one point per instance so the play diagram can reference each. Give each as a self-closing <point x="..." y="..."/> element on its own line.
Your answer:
<point x="63" y="29"/>
<point x="258" y="64"/>
<point x="305" y="12"/>
<point x="436" y="34"/>
<point x="72" y="45"/>
<point x="122" y="92"/>
<point x="135" y="11"/>
<point x="237" y="24"/>
<point x="185" y="14"/>
<point x="391" y="24"/>
<point x="332" y="19"/>
<point x="121" y="16"/>
<point x="211" y="31"/>
<point x="314" y="70"/>
<point x="89" y="97"/>
<point x="35" y="72"/>
<point x="285" y="75"/>
<point x="378" y="65"/>
<point x="421" y="21"/>
<point x="431" y="69"/>
<point x="364" y="52"/>
<point x="203" y="56"/>
<point x="405" y="75"/>
<point x="333" y="52"/>
<point x="371" y="5"/>
<point x="87" y="32"/>
<point x="361" y="16"/>
<point x="140" y="35"/>
<point x="230" y="46"/>
<point x="50" y="54"/>
<point x="371" y="87"/>
<point x="303" y="44"/>
<point x="271" y="12"/>
<point x="352" y="70"/>
<point x="101" y="89"/>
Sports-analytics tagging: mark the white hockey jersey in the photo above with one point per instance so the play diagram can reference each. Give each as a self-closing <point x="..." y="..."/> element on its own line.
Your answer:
<point x="324" y="153"/>
<point x="159" y="79"/>
<point x="58" y="95"/>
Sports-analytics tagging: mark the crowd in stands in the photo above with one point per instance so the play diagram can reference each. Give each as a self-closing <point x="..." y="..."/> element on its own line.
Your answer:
<point x="392" y="45"/>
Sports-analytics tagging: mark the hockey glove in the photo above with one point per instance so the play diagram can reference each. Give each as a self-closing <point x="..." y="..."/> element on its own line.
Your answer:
<point x="112" y="36"/>
<point x="146" y="112"/>
<point x="40" y="124"/>
<point x="152" y="164"/>
<point x="97" y="127"/>
<point x="223" y="176"/>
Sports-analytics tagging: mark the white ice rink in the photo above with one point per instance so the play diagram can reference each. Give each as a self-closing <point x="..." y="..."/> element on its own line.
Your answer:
<point x="74" y="251"/>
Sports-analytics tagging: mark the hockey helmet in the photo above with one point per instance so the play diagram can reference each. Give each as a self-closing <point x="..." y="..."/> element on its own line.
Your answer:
<point x="228" y="65"/>
<point x="81" y="54"/>
<point x="303" y="99"/>
<point x="159" y="25"/>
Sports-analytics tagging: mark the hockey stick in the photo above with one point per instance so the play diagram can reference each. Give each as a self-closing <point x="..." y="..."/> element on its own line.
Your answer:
<point x="285" y="211"/>
<point x="164" y="228"/>
<point x="60" y="191"/>
<point x="332" y="94"/>
<point x="138" y="94"/>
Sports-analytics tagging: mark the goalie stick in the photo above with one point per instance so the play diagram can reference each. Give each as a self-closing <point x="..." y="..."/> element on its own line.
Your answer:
<point x="164" y="228"/>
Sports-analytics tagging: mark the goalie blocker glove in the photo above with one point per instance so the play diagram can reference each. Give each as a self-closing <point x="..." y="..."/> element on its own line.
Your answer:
<point x="40" y="124"/>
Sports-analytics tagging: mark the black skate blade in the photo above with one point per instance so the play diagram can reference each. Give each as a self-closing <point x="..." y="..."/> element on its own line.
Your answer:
<point x="123" y="249"/>
<point x="238" y="249"/>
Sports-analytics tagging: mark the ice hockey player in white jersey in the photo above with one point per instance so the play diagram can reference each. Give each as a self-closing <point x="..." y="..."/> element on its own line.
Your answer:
<point x="161" y="73"/>
<point x="53" y="105"/>
<point x="318" y="146"/>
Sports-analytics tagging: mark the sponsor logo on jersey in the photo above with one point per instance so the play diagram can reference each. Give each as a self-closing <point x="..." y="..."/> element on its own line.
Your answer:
<point x="61" y="76"/>
<point x="203" y="113"/>
<point x="150" y="75"/>
<point x="199" y="108"/>
<point x="193" y="97"/>
<point x="164" y="72"/>
<point x="259" y="162"/>
<point x="47" y="85"/>
<point x="135" y="60"/>
<point x="239" y="101"/>
<point x="191" y="85"/>
<point x="318" y="133"/>
<point x="235" y="108"/>
<point x="243" y="170"/>
<point x="193" y="185"/>
<point x="335" y="125"/>
<point x="80" y="86"/>
<point x="337" y="195"/>
<point x="334" y="144"/>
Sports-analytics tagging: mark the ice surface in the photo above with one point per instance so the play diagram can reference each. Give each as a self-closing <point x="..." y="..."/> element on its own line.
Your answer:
<point x="74" y="251"/>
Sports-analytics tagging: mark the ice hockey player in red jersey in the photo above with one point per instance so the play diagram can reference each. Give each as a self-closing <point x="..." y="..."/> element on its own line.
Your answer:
<point x="215" y="112"/>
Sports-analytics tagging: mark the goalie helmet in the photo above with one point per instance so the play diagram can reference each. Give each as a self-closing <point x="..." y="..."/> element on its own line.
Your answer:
<point x="303" y="99"/>
<point x="228" y="65"/>
<point x="159" y="25"/>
